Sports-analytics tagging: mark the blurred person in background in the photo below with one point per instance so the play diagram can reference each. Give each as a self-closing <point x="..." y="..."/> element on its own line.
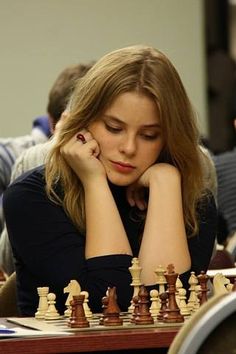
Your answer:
<point x="225" y="164"/>
<point x="35" y="156"/>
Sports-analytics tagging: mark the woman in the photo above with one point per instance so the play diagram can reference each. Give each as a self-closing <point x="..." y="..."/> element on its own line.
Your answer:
<point x="125" y="179"/>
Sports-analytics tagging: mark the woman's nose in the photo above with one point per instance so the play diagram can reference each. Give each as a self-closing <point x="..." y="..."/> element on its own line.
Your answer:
<point x="128" y="145"/>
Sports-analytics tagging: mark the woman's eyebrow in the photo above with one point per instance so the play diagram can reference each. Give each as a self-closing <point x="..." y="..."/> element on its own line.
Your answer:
<point x="115" y="119"/>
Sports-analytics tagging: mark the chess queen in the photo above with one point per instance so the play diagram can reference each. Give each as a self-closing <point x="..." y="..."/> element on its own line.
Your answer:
<point x="126" y="177"/>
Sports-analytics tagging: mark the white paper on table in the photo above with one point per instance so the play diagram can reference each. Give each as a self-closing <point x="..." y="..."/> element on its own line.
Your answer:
<point x="24" y="332"/>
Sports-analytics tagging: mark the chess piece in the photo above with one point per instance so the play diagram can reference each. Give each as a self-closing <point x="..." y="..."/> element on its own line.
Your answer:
<point x="135" y="271"/>
<point x="184" y="309"/>
<point x="155" y="303"/>
<point x="87" y="311"/>
<point x="234" y="285"/>
<point x="112" y="314"/>
<point x="160" y="279"/>
<point x="43" y="302"/>
<point x="144" y="315"/>
<point x="73" y="288"/>
<point x="78" y="318"/>
<point x="202" y="280"/>
<point x="135" y="310"/>
<point x="172" y="314"/>
<point x="104" y="308"/>
<point x="164" y="300"/>
<point x="196" y="304"/>
<point x="52" y="313"/>
<point x="193" y="281"/>
<point x="178" y="285"/>
<point x="219" y="284"/>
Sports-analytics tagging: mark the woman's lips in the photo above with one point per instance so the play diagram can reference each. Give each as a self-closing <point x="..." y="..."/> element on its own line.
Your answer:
<point x="123" y="167"/>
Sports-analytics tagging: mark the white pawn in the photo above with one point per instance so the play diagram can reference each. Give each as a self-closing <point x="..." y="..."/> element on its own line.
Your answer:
<point x="52" y="313"/>
<point x="184" y="310"/>
<point x="88" y="313"/>
<point x="43" y="302"/>
<point x="155" y="303"/>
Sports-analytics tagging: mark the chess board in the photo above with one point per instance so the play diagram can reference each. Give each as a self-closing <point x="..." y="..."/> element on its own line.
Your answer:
<point x="61" y="324"/>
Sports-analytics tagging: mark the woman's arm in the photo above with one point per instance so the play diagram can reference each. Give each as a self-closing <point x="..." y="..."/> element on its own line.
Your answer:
<point x="50" y="251"/>
<point x="164" y="238"/>
<point x="105" y="233"/>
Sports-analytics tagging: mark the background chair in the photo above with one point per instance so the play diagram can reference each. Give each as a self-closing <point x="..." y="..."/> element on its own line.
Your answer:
<point x="8" y="302"/>
<point x="210" y="330"/>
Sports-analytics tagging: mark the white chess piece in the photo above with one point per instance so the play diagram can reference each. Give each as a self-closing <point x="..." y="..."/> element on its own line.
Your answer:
<point x="87" y="311"/>
<point x="184" y="309"/>
<point x="52" y="313"/>
<point x="135" y="271"/>
<point x="43" y="302"/>
<point x="192" y="300"/>
<point x="178" y="285"/>
<point x="155" y="303"/>
<point x="160" y="279"/>
<point x="220" y="284"/>
<point x="73" y="288"/>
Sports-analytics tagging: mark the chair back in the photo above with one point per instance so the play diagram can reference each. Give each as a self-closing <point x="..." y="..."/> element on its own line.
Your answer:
<point x="8" y="300"/>
<point x="212" y="329"/>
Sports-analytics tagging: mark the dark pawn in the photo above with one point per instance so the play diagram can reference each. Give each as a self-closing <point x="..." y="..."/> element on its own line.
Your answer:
<point x="202" y="279"/>
<point x="136" y="309"/>
<point x="144" y="315"/>
<point x="164" y="299"/>
<point x="104" y="309"/>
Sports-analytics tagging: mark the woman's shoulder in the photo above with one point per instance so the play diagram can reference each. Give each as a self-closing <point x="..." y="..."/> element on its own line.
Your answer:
<point x="32" y="178"/>
<point x="22" y="193"/>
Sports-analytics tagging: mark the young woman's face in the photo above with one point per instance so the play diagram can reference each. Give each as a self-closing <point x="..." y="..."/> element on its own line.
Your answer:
<point x="130" y="137"/>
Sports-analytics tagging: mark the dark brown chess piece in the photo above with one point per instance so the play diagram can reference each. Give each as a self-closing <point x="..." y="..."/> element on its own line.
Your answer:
<point x="77" y="318"/>
<point x="234" y="285"/>
<point x="172" y="313"/>
<point x="202" y="279"/>
<point x="112" y="313"/>
<point x="164" y="299"/>
<point x="136" y="307"/>
<point x="144" y="315"/>
<point x="104" y="309"/>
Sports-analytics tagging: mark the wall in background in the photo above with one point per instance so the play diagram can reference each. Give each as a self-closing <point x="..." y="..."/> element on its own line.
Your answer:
<point x="40" y="38"/>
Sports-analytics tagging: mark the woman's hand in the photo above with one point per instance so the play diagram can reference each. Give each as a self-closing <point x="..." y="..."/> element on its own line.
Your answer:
<point x="136" y="192"/>
<point x="82" y="157"/>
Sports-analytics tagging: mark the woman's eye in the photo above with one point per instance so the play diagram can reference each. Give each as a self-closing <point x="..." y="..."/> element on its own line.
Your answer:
<point x="149" y="137"/>
<point x="112" y="129"/>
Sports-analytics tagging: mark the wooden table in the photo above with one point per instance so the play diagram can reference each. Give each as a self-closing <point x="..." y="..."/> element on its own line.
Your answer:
<point x="151" y="340"/>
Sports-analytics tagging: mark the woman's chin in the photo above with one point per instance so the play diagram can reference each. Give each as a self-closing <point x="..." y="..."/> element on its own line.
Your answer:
<point x="120" y="180"/>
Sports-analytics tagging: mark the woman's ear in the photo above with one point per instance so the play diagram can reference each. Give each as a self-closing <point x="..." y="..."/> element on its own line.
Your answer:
<point x="235" y="123"/>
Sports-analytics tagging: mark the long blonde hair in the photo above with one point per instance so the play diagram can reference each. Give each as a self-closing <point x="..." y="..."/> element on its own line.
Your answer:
<point x="146" y="70"/>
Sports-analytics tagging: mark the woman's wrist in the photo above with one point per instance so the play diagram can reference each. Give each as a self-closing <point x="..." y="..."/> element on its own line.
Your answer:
<point x="164" y="172"/>
<point x="95" y="182"/>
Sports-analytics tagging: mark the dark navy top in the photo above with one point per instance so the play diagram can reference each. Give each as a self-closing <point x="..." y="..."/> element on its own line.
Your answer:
<point x="49" y="250"/>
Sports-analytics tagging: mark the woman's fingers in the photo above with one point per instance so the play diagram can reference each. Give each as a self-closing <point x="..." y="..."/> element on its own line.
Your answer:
<point x="136" y="197"/>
